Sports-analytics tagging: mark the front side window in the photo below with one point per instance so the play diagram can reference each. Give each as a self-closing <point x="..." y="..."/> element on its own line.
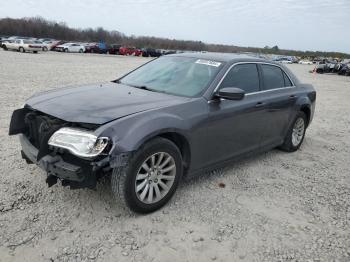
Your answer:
<point x="243" y="76"/>
<point x="273" y="77"/>
<point x="183" y="76"/>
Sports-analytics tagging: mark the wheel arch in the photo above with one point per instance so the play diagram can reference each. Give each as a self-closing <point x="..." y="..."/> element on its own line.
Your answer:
<point x="177" y="138"/>
<point x="182" y="143"/>
<point x="307" y="111"/>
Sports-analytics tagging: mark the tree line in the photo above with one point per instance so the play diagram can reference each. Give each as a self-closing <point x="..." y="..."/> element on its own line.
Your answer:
<point x="41" y="28"/>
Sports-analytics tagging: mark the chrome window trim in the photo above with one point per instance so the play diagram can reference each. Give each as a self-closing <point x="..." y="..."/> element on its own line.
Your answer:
<point x="260" y="91"/>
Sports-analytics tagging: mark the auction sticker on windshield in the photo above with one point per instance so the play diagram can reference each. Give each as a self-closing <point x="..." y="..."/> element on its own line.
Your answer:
<point x="208" y="62"/>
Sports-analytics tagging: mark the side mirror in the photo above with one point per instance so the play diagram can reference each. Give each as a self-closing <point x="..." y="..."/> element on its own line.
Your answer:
<point x="230" y="93"/>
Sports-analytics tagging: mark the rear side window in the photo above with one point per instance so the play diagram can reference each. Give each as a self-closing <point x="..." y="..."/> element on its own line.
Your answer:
<point x="243" y="76"/>
<point x="273" y="77"/>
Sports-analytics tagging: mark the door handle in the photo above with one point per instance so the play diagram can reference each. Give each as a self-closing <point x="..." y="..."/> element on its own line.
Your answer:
<point x="292" y="96"/>
<point x="260" y="104"/>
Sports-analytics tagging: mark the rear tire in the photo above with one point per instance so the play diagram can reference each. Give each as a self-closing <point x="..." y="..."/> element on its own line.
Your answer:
<point x="81" y="50"/>
<point x="132" y="184"/>
<point x="35" y="52"/>
<point x="296" y="133"/>
<point x="66" y="50"/>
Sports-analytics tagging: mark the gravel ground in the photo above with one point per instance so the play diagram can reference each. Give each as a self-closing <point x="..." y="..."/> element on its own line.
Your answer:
<point x="274" y="207"/>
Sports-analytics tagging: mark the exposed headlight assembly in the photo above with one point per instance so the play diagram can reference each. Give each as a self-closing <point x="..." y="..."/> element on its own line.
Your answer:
<point x="79" y="142"/>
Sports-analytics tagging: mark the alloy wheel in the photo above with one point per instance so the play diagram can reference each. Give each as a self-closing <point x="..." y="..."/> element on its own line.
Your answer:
<point x="298" y="131"/>
<point x="155" y="177"/>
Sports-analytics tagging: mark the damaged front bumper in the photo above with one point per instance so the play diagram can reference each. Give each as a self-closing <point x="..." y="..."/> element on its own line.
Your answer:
<point x="78" y="174"/>
<point x="73" y="171"/>
<point x="55" y="166"/>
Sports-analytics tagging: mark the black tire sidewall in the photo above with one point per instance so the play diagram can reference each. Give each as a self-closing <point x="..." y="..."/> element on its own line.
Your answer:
<point x="158" y="145"/>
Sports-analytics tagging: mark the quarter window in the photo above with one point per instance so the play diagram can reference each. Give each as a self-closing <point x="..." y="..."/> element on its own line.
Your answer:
<point x="243" y="76"/>
<point x="287" y="81"/>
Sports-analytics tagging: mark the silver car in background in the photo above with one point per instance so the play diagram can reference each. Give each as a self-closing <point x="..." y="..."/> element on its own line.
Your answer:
<point x="22" y="45"/>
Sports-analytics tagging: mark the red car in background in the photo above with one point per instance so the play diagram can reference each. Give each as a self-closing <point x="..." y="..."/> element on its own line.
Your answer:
<point x="53" y="46"/>
<point x="130" y="51"/>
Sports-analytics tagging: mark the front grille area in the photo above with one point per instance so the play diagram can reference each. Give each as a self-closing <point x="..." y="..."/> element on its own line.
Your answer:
<point x="40" y="127"/>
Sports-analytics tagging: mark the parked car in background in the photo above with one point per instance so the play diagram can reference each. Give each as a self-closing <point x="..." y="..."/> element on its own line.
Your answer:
<point x="130" y="51"/>
<point x="23" y="45"/>
<point x="71" y="48"/>
<point x="283" y="60"/>
<point x="341" y="68"/>
<point x="99" y="48"/>
<point x="45" y="46"/>
<point x="305" y="62"/>
<point x="177" y="116"/>
<point x="2" y="39"/>
<point x="114" y="49"/>
<point x="49" y="45"/>
<point x="4" y="42"/>
<point x="56" y="43"/>
<point x="150" y="52"/>
<point x="325" y="68"/>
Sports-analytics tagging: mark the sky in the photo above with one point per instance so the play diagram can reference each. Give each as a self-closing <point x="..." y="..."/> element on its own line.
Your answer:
<point x="291" y="24"/>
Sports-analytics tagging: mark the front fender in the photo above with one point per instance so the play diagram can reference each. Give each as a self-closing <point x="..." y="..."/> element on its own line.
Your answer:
<point x="129" y="133"/>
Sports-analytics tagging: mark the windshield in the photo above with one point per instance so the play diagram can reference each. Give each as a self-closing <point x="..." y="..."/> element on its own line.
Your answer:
<point x="183" y="76"/>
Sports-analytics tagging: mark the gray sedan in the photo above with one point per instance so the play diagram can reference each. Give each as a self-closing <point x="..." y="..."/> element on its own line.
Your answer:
<point x="177" y="116"/>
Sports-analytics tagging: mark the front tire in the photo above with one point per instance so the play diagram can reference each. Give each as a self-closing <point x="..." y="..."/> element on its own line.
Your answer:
<point x="296" y="133"/>
<point x="150" y="178"/>
<point x="21" y="49"/>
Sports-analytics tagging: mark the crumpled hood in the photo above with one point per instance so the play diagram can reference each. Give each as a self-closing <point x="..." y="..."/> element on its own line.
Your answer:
<point x="99" y="104"/>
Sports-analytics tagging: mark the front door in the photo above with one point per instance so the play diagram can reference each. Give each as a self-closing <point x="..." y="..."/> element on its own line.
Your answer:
<point x="235" y="126"/>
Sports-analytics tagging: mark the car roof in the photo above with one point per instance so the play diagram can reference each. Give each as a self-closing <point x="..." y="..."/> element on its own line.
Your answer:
<point x="222" y="57"/>
<point x="232" y="58"/>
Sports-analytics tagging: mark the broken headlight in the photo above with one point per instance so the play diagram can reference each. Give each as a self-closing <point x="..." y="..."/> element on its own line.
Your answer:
<point x="79" y="142"/>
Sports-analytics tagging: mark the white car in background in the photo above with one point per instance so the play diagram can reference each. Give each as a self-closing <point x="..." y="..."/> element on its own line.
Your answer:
<point x="305" y="62"/>
<point x="286" y="61"/>
<point x="22" y="45"/>
<point x="71" y="48"/>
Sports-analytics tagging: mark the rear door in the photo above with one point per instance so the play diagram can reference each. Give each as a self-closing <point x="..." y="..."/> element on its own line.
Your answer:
<point x="235" y="126"/>
<point x="279" y="96"/>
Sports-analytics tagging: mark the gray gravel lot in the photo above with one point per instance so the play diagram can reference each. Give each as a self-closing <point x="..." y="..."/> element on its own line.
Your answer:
<point x="274" y="207"/>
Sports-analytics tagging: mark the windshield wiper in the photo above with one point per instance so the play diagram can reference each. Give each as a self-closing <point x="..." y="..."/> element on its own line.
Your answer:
<point x="144" y="88"/>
